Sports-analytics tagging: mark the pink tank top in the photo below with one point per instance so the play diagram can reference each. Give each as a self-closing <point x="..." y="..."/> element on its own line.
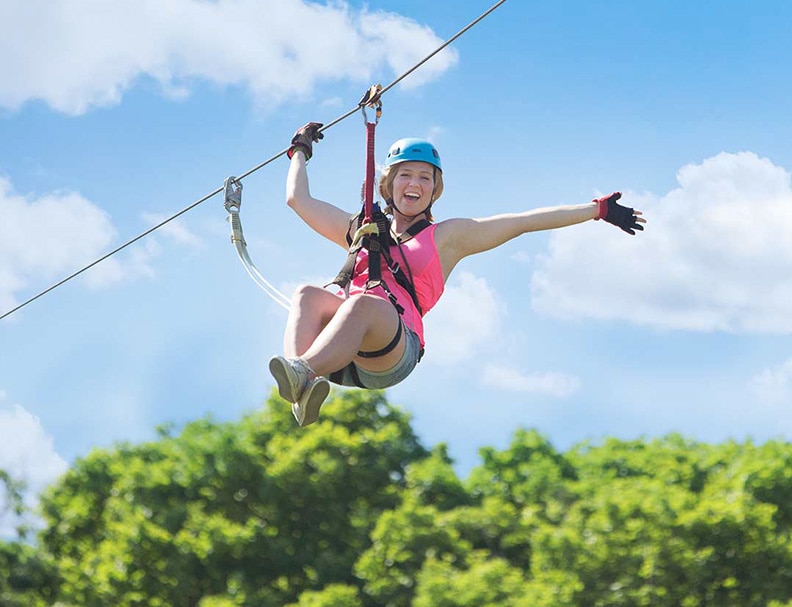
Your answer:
<point x="423" y="261"/>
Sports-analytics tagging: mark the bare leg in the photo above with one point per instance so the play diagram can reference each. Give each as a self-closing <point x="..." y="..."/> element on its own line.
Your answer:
<point x="327" y="331"/>
<point x="311" y="309"/>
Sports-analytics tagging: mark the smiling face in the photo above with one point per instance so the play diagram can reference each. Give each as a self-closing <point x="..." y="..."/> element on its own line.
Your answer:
<point x="413" y="186"/>
<point x="421" y="195"/>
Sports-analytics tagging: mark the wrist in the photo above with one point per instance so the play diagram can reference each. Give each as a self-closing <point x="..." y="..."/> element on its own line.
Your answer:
<point x="299" y="148"/>
<point x="600" y="208"/>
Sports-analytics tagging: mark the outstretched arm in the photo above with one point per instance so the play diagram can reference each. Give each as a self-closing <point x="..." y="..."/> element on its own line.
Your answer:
<point x="459" y="238"/>
<point x="325" y="218"/>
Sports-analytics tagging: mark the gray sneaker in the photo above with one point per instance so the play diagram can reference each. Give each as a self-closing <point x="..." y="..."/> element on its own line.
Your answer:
<point x="292" y="375"/>
<point x="306" y="409"/>
<point x="295" y="384"/>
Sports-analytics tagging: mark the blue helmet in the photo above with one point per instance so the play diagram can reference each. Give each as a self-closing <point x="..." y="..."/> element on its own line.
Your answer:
<point x="411" y="149"/>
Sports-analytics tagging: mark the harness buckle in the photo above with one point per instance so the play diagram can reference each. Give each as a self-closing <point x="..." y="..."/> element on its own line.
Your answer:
<point x="367" y="229"/>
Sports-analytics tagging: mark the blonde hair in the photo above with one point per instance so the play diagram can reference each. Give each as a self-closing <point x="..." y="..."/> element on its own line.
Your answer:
<point x="386" y="189"/>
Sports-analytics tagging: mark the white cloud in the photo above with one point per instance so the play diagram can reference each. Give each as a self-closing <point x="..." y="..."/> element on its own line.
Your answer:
<point x="774" y="386"/>
<point x="48" y="237"/>
<point x="27" y="454"/>
<point x="466" y="318"/>
<point x="522" y="257"/>
<point x="136" y="263"/>
<point x="434" y="134"/>
<point x="78" y="54"/>
<point x="507" y="378"/>
<point x="175" y="229"/>
<point x="716" y="255"/>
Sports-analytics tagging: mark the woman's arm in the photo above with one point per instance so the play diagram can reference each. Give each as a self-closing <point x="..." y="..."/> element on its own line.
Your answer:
<point x="326" y="219"/>
<point x="458" y="238"/>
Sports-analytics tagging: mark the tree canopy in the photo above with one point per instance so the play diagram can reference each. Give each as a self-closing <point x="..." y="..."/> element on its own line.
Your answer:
<point x="355" y="512"/>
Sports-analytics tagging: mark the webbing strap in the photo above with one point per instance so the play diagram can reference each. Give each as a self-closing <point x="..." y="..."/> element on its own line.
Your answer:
<point x="368" y="190"/>
<point x="373" y="242"/>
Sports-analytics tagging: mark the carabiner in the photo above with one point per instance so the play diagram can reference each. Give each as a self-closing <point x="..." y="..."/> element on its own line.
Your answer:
<point x="371" y="98"/>
<point x="233" y="194"/>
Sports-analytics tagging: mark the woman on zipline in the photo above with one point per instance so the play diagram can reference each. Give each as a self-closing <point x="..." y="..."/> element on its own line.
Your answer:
<point x="373" y="337"/>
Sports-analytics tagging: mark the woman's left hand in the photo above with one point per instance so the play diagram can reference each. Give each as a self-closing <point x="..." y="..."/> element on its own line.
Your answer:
<point x="622" y="217"/>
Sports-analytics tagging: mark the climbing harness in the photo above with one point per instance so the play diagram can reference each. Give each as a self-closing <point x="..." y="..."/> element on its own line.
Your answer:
<point x="233" y="203"/>
<point x="378" y="241"/>
<point x="238" y="179"/>
<point x="373" y="231"/>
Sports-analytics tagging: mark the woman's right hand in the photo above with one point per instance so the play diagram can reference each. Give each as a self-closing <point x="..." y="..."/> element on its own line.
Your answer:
<point x="304" y="139"/>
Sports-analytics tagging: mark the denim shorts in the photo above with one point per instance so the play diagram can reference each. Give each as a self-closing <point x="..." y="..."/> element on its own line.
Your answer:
<point x="378" y="380"/>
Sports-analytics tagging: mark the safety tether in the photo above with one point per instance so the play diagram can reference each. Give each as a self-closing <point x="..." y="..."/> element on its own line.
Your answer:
<point x="233" y="204"/>
<point x="371" y="99"/>
<point x="370" y="231"/>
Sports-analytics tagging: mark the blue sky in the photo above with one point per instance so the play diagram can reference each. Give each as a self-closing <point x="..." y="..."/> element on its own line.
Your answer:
<point x="115" y="115"/>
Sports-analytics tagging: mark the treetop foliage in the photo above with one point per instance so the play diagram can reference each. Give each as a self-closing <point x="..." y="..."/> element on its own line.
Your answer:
<point x="355" y="512"/>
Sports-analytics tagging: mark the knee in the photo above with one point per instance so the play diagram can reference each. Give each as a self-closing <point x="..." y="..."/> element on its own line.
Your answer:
<point x="313" y="300"/>
<point x="306" y="295"/>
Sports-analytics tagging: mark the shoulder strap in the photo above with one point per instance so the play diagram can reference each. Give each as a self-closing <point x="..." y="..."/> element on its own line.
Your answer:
<point x="417" y="227"/>
<point x="352" y="218"/>
<point x="405" y="280"/>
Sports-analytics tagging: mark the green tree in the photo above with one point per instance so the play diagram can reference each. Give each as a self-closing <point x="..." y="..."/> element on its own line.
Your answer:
<point x="12" y="504"/>
<point x="401" y="542"/>
<point x="668" y="523"/>
<point x="485" y="582"/>
<point x="333" y="595"/>
<point x="439" y="526"/>
<point x="433" y="482"/>
<point x="255" y="512"/>
<point x="530" y="472"/>
<point x="354" y="511"/>
<point x="27" y="577"/>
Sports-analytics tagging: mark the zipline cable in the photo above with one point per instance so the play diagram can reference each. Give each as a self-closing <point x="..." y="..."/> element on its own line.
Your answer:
<point x="250" y="171"/>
